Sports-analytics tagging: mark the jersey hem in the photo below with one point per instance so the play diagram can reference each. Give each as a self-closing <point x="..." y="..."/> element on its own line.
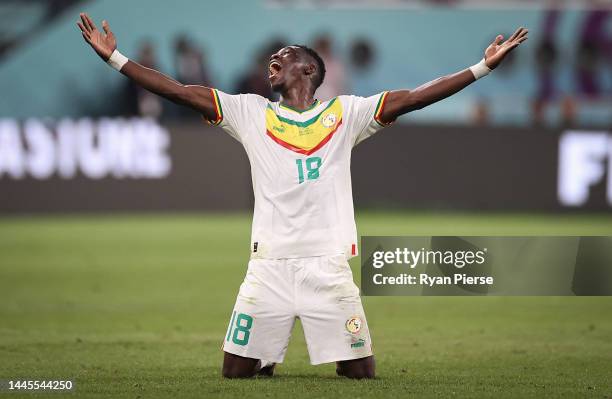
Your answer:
<point x="347" y="255"/>
<point x="253" y="355"/>
<point x="332" y="359"/>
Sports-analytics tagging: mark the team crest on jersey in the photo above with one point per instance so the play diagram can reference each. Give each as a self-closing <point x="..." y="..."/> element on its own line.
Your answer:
<point x="329" y="120"/>
<point x="305" y="137"/>
<point x="353" y="325"/>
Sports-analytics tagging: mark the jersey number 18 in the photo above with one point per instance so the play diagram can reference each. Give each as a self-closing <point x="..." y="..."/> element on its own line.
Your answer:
<point x="311" y="170"/>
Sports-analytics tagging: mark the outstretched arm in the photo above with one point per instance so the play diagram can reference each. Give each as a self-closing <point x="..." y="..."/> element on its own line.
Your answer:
<point x="400" y="102"/>
<point x="197" y="97"/>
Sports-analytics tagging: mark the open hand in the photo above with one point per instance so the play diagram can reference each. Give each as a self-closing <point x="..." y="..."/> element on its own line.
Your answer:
<point x="497" y="51"/>
<point x="103" y="43"/>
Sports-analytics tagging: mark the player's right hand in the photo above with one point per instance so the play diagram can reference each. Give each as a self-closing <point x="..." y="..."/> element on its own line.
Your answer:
<point x="103" y="43"/>
<point x="498" y="50"/>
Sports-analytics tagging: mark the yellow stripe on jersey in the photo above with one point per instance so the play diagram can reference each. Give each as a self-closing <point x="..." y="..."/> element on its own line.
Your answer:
<point x="379" y="109"/>
<point x="308" y="136"/>
<point x="218" y="109"/>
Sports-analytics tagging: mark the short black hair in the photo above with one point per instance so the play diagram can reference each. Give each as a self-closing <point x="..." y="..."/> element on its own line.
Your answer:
<point x="319" y="61"/>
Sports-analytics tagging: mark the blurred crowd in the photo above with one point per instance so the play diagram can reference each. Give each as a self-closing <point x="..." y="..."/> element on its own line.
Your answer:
<point x="22" y="19"/>
<point x="350" y="71"/>
<point x="572" y="85"/>
<point x="594" y="55"/>
<point x="191" y="67"/>
<point x="585" y="96"/>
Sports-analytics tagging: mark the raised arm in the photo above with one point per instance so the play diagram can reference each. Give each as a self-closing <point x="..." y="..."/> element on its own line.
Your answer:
<point x="400" y="102"/>
<point x="197" y="97"/>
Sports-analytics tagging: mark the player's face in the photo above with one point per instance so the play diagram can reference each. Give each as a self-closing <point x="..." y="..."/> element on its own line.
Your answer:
<point x="286" y="68"/>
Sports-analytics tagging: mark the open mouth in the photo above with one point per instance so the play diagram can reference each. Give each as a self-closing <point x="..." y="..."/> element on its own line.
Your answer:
<point x="274" y="68"/>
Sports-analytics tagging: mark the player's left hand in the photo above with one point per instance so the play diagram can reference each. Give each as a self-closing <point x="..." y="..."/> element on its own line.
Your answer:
<point x="497" y="51"/>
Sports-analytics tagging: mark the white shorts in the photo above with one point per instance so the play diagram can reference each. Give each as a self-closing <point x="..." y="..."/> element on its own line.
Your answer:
<point x="319" y="291"/>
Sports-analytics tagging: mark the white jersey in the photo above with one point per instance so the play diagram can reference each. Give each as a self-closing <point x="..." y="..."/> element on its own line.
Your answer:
<point x="300" y="167"/>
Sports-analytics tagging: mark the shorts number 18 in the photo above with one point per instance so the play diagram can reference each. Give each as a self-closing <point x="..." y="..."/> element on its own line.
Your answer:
<point x="241" y="331"/>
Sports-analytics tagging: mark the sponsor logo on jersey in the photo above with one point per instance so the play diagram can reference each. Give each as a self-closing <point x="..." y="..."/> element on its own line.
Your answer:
<point x="359" y="344"/>
<point x="353" y="325"/>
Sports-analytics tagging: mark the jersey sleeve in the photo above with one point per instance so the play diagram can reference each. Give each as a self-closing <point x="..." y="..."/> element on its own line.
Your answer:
<point x="234" y="112"/>
<point x="365" y="116"/>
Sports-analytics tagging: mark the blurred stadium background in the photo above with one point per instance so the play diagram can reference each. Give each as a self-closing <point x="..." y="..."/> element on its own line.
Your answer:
<point x="124" y="219"/>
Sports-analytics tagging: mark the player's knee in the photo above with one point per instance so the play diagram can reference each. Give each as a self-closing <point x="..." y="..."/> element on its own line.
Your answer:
<point x="357" y="369"/>
<point x="236" y="372"/>
<point x="358" y="374"/>
<point x="235" y="366"/>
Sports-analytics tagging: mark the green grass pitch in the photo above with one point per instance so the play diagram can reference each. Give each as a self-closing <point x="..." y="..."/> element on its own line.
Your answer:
<point x="136" y="306"/>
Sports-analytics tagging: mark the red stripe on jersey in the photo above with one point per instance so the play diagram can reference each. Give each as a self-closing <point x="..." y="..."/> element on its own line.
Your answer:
<point x="301" y="150"/>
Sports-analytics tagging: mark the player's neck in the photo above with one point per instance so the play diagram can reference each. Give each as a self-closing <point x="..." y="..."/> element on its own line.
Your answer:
<point x="298" y="98"/>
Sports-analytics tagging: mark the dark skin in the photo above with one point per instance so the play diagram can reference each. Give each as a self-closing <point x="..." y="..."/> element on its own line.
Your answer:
<point x="293" y="73"/>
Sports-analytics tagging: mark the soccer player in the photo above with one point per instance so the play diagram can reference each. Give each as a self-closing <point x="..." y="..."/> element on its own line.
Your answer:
<point x="303" y="229"/>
